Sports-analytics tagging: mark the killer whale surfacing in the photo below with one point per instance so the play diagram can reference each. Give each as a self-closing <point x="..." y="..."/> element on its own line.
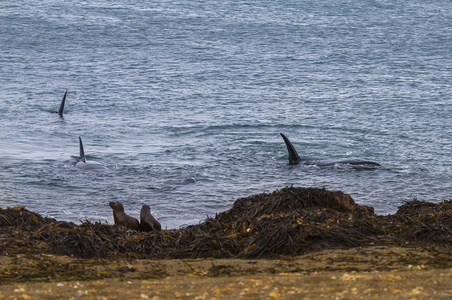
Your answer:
<point x="61" y="110"/>
<point x="295" y="159"/>
<point x="82" y="163"/>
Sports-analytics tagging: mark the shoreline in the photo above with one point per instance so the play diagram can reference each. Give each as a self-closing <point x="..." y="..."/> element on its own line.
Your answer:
<point x="294" y="243"/>
<point x="375" y="272"/>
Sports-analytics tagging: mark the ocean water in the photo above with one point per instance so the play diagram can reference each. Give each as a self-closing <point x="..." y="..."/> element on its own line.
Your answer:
<point x="165" y="91"/>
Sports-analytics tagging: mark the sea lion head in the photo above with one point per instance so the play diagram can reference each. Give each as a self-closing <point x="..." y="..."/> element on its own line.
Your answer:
<point x="146" y="208"/>
<point x="116" y="205"/>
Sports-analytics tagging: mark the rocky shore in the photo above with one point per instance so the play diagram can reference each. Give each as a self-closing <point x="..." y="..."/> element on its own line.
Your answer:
<point x="293" y="243"/>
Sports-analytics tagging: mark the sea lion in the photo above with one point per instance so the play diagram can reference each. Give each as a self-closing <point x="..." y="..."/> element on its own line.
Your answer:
<point x="147" y="221"/>
<point x="121" y="218"/>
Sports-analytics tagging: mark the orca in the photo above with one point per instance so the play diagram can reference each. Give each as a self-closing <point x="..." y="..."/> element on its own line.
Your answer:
<point x="81" y="162"/>
<point x="60" y="111"/>
<point x="295" y="159"/>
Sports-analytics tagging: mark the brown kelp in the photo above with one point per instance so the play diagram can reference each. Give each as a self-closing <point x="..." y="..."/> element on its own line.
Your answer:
<point x="289" y="221"/>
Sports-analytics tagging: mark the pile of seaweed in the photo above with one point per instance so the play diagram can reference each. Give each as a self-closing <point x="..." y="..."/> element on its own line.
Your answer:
<point x="290" y="221"/>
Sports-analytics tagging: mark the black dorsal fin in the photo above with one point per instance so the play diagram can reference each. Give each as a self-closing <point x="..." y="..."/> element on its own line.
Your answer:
<point x="293" y="155"/>
<point x="82" y="151"/>
<point x="60" y="111"/>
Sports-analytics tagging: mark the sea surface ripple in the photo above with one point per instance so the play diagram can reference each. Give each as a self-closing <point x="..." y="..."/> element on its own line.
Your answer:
<point x="165" y="91"/>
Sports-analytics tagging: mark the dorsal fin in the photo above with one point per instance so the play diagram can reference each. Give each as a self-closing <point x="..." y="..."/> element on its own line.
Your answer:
<point x="82" y="152"/>
<point x="293" y="155"/>
<point x="60" y="111"/>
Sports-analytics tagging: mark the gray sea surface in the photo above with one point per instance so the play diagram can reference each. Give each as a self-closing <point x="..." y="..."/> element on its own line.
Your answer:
<point x="164" y="92"/>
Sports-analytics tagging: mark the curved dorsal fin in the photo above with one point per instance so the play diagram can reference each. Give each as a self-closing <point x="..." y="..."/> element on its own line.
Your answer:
<point x="82" y="151"/>
<point x="293" y="155"/>
<point x="60" y="111"/>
